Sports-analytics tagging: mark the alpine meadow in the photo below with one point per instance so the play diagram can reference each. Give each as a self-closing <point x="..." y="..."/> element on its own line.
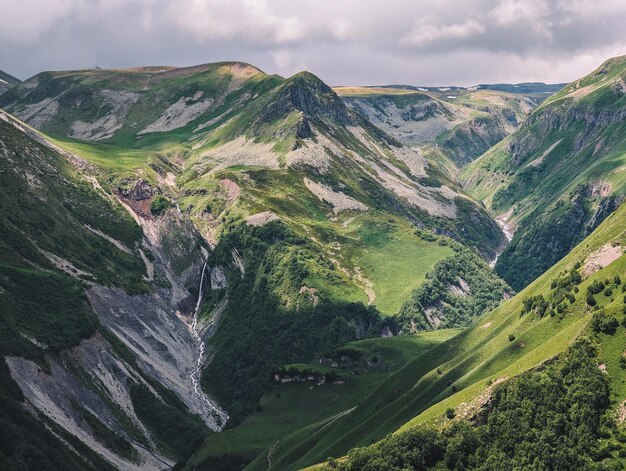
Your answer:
<point x="238" y="265"/>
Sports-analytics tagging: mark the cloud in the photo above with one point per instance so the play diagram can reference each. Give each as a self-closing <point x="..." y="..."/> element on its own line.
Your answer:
<point x="425" y="33"/>
<point x="243" y="20"/>
<point x="347" y="41"/>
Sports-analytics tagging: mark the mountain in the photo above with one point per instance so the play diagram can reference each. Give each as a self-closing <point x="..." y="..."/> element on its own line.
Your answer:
<point x="211" y="267"/>
<point x="535" y="89"/>
<point x="454" y="123"/>
<point x="7" y="81"/>
<point x="263" y="223"/>
<point x="553" y="344"/>
<point x="559" y="175"/>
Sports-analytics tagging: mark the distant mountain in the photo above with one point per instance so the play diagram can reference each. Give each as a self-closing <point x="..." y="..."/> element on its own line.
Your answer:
<point x="446" y="122"/>
<point x="560" y="174"/>
<point x="526" y="88"/>
<point x="7" y="81"/>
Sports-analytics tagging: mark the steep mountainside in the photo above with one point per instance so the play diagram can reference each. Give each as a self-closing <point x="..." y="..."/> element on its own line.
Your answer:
<point x="7" y="81"/>
<point x="95" y="338"/>
<point x="461" y="123"/>
<point x="559" y="175"/>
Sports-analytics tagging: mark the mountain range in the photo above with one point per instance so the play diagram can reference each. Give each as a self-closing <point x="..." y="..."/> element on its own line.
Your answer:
<point x="212" y="267"/>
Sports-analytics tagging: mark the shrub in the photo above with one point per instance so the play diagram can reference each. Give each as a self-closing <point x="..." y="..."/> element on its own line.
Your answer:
<point x="605" y="323"/>
<point x="159" y="204"/>
<point x="450" y="414"/>
<point x="591" y="301"/>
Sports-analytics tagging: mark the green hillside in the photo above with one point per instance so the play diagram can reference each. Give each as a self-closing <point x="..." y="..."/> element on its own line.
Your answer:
<point x="316" y="227"/>
<point x="233" y="245"/>
<point x="290" y="406"/>
<point x="60" y="237"/>
<point x="559" y="175"/>
<point x="519" y="335"/>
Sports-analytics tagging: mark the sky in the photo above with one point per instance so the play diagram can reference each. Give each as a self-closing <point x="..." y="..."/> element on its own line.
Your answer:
<point x="344" y="42"/>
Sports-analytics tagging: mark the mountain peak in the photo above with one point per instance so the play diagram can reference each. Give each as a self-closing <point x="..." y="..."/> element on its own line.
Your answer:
<point x="307" y="93"/>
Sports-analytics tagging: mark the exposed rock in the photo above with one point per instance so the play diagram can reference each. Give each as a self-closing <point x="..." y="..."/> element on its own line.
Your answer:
<point x="338" y="200"/>
<point x="184" y="111"/>
<point x="602" y="258"/>
<point x="218" y="278"/>
<point x="55" y="394"/>
<point x="261" y="219"/>
<point x="119" y="102"/>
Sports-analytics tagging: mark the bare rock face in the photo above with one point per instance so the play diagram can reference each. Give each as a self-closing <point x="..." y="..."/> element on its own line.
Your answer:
<point x="141" y="190"/>
<point x="65" y="398"/>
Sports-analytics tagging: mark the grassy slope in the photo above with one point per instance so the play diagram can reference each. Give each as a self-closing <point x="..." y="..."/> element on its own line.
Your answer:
<point x="420" y="391"/>
<point x="292" y="406"/>
<point x="576" y="138"/>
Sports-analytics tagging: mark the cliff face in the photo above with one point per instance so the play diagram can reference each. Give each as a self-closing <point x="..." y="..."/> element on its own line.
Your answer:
<point x="462" y="126"/>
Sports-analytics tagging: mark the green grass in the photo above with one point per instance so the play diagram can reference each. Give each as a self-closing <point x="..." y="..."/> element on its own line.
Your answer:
<point x="457" y="371"/>
<point x="396" y="261"/>
<point x="108" y="156"/>
<point x="292" y="406"/>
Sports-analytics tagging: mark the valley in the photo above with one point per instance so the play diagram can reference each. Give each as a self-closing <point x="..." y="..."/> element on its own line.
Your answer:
<point x="213" y="267"/>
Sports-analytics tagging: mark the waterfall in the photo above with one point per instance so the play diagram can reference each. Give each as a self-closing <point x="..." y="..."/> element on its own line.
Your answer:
<point x="211" y="412"/>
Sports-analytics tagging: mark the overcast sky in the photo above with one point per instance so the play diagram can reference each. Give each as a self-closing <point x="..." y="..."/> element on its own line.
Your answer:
<point x="437" y="42"/>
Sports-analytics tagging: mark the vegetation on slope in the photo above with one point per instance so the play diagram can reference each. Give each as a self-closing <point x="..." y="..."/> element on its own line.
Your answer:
<point x="359" y="367"/>
<point x="269" y="319"/>
<point x="461" y="372"/>
<point x="455" y="293"/>
<point x="559" y="175"/>
<point x="57" y="237"/>
<point x="548" y="418"/>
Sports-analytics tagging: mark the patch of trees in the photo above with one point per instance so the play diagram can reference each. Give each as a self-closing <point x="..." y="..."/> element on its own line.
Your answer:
<point x="551" y="418"/>
<point x="159" y="204"/>
<point x="464" y="270"/>
<point x="562" y="292"/>
<point x="604" y="323"/>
